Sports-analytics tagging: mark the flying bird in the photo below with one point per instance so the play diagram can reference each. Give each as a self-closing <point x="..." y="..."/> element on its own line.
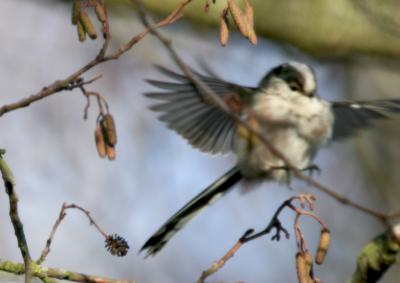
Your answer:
<point x="284" y="106"/>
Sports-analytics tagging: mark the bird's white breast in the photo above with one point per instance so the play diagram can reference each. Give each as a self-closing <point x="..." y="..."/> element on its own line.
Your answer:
<point x="295" y="124"/>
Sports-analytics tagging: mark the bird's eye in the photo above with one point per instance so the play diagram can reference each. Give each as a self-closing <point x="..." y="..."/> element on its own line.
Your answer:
<point x="294" y="86"/>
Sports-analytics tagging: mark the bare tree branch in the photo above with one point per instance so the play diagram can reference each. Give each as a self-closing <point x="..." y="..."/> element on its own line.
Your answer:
<point x="56" y="273"/>
<point x="9" y="184"/>
<point x="101" y="57"/>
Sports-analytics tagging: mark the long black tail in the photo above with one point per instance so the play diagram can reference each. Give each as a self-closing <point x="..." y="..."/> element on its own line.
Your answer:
<point x="202" y="200"/>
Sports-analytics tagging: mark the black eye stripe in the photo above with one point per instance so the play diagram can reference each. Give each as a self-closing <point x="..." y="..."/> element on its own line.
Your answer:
<point x="294" y="85"/>
<point x="287" y="73"/>
<point x="290" y="75"/>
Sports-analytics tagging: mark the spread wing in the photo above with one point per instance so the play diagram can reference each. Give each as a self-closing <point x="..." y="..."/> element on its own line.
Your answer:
<point x="187" y="111"/>
<point x="352" y="116"/>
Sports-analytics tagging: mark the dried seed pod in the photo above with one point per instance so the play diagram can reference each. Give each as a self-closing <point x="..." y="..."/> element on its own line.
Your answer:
<point x="304" y="267"/>
<point x="100" y="145"/>
<point x="309" y="261"/>
<point x="249" y="15"/>
<point x="243" y="21"/>
<point x="76" y="9"/>
<point x="248" y="12"/>
<point x="323" y="246"/>
<point x="238" y="17"/>
<point x="110" y="152"/>
<point x="87" y="25"/>
<point x="117" y="245"/>
<point x="224" y="28"/>
<point x="109" y="129"/>
<point x="81" y="32"/>
<point x="100" y="12"/>
<point x="302" y="273"/>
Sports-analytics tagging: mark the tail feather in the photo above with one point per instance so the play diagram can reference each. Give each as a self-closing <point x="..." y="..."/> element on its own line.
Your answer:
<point x="199" y="202"/>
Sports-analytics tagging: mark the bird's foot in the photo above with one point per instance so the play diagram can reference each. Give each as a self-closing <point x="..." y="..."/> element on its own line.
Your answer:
<point x="313" y="168"/>
<point x="287" y="170"/>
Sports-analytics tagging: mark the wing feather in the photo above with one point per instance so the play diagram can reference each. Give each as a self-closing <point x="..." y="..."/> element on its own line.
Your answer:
<point x="185" y="111"/>
<point x="353" y="116"/>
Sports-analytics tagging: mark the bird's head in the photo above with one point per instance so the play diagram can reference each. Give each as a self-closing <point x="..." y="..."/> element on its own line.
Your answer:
<point x="292" y="77"/>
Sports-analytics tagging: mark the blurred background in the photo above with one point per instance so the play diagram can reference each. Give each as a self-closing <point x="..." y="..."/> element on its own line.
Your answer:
<point x="52" y="152"/>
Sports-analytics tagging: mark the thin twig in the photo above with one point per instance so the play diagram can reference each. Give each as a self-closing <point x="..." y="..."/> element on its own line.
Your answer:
<point x="218" y="102"/>
<point x="9" y="183"/>
<point x="60" y="218"/>
<point x="100" y="58"/>
<point x="274" y="223"/>
<point x="101" y="101"/>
